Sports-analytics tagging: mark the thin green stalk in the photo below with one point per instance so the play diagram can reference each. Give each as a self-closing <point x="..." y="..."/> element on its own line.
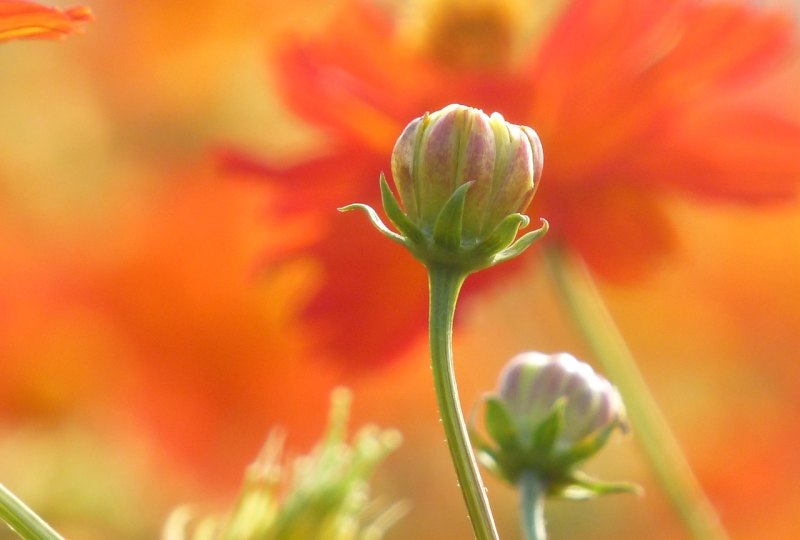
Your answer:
<point x="22" y="519"/>
<point x="445" y="284"/>
<point x="532" y="506"/>
<point x="588" y="311"/>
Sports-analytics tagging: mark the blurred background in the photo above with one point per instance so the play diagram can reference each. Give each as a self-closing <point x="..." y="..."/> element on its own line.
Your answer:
<point x="175" y="281"/>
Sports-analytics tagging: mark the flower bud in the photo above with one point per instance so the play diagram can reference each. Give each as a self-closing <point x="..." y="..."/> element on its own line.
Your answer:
<point x="532" y="384"/>
<point x="550" y="413"/>
<point x="464" y="178"/>
<point x="443" y="150"/>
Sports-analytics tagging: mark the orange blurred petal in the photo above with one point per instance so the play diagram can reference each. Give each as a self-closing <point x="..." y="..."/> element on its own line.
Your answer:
<point x="621" y="233"/>
<point x="369" y="284"/>
<point x="20" y="19"/>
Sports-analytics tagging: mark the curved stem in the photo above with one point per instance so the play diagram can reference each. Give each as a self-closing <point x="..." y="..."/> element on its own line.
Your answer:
<point x="661" y="449"/>
<point x="22" y="519"/>
<point x="532" y="506"/>
<point x="445" y="284"/>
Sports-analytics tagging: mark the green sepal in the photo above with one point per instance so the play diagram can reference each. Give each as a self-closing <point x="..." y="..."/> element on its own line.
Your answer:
<point x="449" y="222"/>
<point x="547" y="432"/>
<point x="588" y="447"/>
<point x="500" y="425"/>
<point x="579" y="486"/>
<point x="503" y="235"/>
<point x="396" y="214"/>
<point x="485" y="453"/>
<point x="376" y="222"/>
<point x="523" y="243"/>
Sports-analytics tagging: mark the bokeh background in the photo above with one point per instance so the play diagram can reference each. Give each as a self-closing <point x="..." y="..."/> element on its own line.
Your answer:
<point x="165" y="299"/>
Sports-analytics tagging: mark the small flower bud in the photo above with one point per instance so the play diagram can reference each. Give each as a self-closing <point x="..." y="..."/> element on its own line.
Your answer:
<point x="550" y="413"/>
<point x="464" y="179"/>
<point x="532" y="384"/>
<point x="443" y="150"/>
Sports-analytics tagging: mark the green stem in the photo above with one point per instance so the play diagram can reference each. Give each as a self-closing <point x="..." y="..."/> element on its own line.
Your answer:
<point x="532" y="506"/>
<point x="22" y="519"/>
<point x="445" y="284"/>
<point x="661" y="449"/>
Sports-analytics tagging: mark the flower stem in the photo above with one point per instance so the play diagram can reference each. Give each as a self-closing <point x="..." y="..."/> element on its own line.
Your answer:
<point x="22" y="519"/>
<point x="445" y="284"/>
<point x="587" y="309"/>
<point x="532" y="506"/>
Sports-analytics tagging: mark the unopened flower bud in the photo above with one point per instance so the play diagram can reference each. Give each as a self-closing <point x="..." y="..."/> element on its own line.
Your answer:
<point x="550" y="413"/>
<point x="441" y="151"/>
<point x="533" y="384"/>
<point x="464" y="178"/>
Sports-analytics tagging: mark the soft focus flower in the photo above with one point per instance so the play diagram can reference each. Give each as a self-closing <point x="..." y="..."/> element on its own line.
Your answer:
<point x="22" y="19"/>
<point x="550" y="413"/>
<point x="632" y="103"/>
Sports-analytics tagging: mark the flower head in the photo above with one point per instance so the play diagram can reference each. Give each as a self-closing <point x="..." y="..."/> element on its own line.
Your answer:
<point x="550" y="413"/>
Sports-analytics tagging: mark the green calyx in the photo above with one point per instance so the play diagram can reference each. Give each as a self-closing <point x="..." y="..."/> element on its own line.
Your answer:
<point x="510" y="453"/>
<point x="445" y="244"/>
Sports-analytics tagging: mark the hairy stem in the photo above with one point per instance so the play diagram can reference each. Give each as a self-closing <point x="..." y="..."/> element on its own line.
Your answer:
<point x="445" y="284"/>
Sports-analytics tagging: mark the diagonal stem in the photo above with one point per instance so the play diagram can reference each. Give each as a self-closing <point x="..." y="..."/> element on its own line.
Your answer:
<point x="588" y="311"/>
<point x="22" y="519"/>
<point x="445" y="284"/>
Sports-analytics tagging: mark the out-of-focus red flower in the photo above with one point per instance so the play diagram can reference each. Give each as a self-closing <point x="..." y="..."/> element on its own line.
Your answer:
<point x="632" y="103"/>
<point x="20" y="19"/>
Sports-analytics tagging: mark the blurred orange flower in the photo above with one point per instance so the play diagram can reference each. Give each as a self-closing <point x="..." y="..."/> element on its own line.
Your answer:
<point x="20" y="19"/>
<point x="632" y="102"/>
<point x="157" y="324"/>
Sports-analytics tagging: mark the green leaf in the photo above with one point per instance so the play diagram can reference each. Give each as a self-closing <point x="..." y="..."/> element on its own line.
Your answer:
<point x="447" y="229"/>
<point x="503" y="235"/>
<point x="500" y="424"/>
<point x="396" y="214"/>
<point x="524" y="242"/>
<point x="376" y="222"/>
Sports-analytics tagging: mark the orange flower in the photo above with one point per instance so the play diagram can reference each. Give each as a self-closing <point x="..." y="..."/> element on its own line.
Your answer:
<point x="20" y="19"/>
<point x="632" y="102"/>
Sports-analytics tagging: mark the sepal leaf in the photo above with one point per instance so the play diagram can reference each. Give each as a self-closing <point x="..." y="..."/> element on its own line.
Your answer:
<point x="500" y="425"/>
<point x="589" y="447"/>
<point x="524" y="242"/>
<point x="580" y="486"/>
<point x="503" y="235"/>
<point x="546" y="433"/>
<point x="449" y="223"/>
<point x="376" y="222"/>
<point x="396" y="214"/>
